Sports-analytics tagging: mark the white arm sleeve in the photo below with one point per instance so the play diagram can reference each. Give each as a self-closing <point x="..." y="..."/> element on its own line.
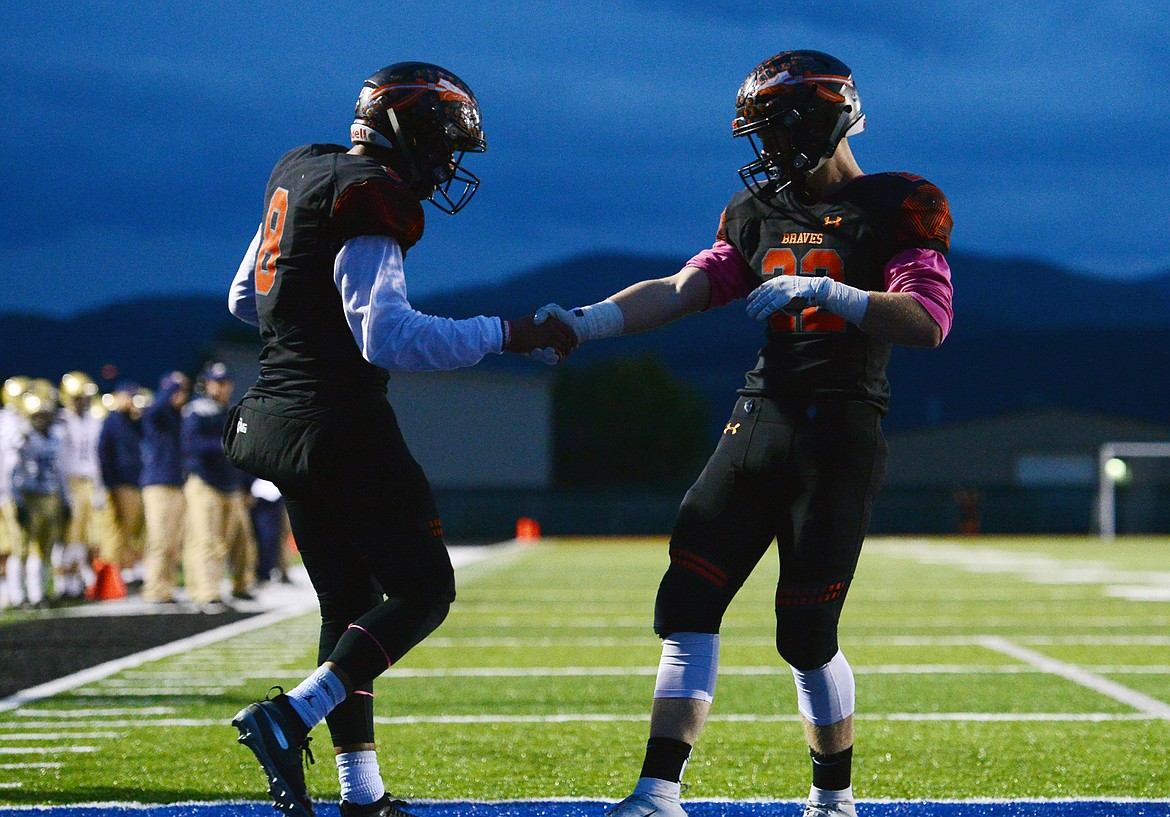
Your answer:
<point x="242" y="295"/>
<point x="389" y="332"/>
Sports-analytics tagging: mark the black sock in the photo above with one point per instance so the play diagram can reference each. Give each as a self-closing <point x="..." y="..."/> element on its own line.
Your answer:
<point x="665" y="759"/>
<point x="831" y="772"/>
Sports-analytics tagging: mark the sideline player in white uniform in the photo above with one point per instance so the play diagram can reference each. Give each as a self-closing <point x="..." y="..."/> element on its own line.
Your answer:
<point x="78" y="429"/>
<point x="13" y="425"/>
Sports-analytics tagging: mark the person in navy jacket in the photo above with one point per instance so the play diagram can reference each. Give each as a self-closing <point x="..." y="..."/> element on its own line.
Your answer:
<point x="120" y="461"/>
<point x="162" y="486"/>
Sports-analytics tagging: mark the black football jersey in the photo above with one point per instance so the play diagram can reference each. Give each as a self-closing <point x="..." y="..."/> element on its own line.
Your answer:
<point x="849" y="236"/>
<point x="319" y="197"/>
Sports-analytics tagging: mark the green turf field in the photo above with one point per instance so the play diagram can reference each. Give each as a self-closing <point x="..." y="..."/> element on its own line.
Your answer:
<point x="986" y="667"/>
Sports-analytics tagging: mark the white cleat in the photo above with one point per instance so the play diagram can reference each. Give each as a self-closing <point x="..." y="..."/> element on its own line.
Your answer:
<point x="643" y="805"/>
<point x="843" y="809"/>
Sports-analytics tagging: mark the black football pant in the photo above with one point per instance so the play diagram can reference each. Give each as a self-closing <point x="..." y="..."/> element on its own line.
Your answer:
<point x="805" y="474"/>
<point x="367" y="529"/>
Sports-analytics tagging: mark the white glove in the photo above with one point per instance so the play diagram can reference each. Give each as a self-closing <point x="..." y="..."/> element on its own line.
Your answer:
<point x="549" y="356"/>
<point x="794" y="293"/>
<point x="600" y="320"/>
<point x="546" y="355"/>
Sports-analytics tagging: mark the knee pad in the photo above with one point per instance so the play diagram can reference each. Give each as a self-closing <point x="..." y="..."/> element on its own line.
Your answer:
<point x="690" y="599"/>
<point x="826" y="695"/>
<point x="689" y="666"/>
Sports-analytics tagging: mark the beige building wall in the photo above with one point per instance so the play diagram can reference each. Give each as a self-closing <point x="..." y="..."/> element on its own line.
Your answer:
<point x="482" y="427"/>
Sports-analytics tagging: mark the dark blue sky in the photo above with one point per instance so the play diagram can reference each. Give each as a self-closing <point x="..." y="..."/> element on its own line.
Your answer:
<point x="137" y="137"/>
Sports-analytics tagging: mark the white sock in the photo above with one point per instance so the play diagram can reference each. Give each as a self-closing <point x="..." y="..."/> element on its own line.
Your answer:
<point x="825" y="797"/>
<point x="35" y="579"/>
<point x="315" y="697"/>
<point x="660" y="788"/>
<point x="15" y="581"/>
<point x="361" y="781"/>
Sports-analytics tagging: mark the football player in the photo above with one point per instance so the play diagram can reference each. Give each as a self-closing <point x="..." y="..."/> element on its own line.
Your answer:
<point x="40" y="493"/>
<point x="838" y="266"/>
<point x="13" y="426"/>
<point x="324" y="281"/>
<point x="78" y="430"/>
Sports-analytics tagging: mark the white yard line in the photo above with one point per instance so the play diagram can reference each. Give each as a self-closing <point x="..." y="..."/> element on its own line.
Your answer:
<point x="56" y="735"/>
<point x="729" y="641"/>
<point x="751" y="718"/>
<point x="41" y="765"/>
<point x="175" y="682"/>
<point x="46" y="750"/>
<point x="602" y="717"/>
<point x="1079" y="675"/>
<point x="37" y="712"/>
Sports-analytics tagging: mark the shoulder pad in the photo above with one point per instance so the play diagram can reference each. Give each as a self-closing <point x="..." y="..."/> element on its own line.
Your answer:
<point x="920" y="213"/>
<point x="378" y="203"/>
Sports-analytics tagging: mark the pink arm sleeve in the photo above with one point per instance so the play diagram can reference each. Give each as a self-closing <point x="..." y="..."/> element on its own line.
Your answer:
<point x="730" y="274"/>
<point x="925" y="275"/>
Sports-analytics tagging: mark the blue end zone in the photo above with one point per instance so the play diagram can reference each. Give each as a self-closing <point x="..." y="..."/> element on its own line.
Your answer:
<point x="596" y="808"/>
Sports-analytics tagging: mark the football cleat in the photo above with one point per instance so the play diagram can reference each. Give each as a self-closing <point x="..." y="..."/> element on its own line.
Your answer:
<point x="382" y="807"/>
<point x="843" y="809"/>
<point x="643" y="805"/>
<point x="277" y="736"/>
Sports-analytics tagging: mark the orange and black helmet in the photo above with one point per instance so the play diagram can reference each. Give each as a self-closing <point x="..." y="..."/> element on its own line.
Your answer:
<point x="809" y="96"/>
<point x="424" y="118"/>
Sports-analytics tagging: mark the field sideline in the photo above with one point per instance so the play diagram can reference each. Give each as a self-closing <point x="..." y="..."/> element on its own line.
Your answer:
<point x="1004" y="676"/>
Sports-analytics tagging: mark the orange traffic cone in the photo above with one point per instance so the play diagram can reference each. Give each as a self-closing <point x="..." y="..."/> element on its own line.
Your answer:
<point x="527" y="529"/>
<point x="109" y="584"/>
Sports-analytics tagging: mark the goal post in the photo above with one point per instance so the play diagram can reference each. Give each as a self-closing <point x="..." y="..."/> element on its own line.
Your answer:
<point x="1107" y="478"/>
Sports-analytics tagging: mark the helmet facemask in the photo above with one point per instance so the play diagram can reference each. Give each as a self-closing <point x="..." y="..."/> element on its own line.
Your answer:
<point x="434" y="164"/>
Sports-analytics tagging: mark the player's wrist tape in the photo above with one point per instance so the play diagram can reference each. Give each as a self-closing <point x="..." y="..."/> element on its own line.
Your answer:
<point x="600" y="320"/>
<point x="848" y="302"/>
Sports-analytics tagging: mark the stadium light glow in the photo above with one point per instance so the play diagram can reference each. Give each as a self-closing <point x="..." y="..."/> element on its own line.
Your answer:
<point x="1117" y="470"/>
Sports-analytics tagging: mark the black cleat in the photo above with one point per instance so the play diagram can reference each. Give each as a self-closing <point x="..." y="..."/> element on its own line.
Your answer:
<point x="382" y="807"/>
<point x="275" y="733"/>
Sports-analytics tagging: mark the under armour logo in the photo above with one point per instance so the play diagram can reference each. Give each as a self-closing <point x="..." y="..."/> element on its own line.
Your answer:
<point x="241" y="426"/>
<point x="833" y="222"/>
<point x="731" y="428"/>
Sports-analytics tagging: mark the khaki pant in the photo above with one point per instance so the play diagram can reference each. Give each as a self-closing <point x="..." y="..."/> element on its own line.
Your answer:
<point x="205" y="542"/>
<point x="124" y="548"/>
<point x="164" y="506"/>
<point x="83" y="526"/>
<point x="46" y="517"/>
<point x="241" y="543"/>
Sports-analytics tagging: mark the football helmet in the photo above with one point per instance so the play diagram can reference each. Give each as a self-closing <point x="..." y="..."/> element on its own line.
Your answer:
<point x="40" y="397"/>
<point x="14" y="389"/>
<point x="426" y="118"/>
<point x="76" y="385"/>
<point x="807" y="103"/>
